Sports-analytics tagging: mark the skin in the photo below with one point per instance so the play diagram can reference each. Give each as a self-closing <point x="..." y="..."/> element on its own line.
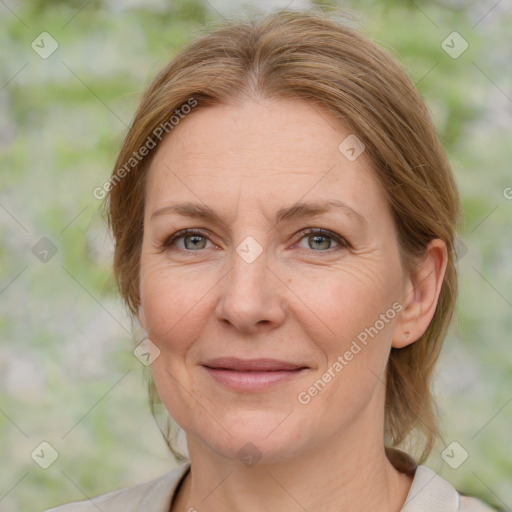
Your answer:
<point x="302" y="300"/>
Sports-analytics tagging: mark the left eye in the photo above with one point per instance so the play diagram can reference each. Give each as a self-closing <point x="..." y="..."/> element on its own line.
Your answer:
<point x="322" y="239"/>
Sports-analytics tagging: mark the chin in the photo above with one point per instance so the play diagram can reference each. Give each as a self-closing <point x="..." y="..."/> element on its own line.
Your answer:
<point x="260" y="441"/>
<point x="249" y="451"/>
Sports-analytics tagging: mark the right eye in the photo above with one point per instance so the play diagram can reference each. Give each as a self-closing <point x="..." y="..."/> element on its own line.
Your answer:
<point x="193" y="240"/>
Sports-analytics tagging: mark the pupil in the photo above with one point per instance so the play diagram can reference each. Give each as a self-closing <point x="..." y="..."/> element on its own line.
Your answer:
<point x="317" y="238"/>
<point x="195" y="240"/>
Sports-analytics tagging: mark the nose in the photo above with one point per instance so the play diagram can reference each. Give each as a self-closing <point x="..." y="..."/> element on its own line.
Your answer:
<point x="252" y="294"/>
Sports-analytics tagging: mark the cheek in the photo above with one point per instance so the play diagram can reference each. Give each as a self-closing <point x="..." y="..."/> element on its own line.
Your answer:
<point x="171" y="300"/>
<point x="356" y="339"/>
<point x="345" y="300"/>
<point x="357" y="319"/>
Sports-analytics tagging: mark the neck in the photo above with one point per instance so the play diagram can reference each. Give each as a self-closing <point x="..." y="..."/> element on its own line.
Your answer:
<point x="351" y="473"/>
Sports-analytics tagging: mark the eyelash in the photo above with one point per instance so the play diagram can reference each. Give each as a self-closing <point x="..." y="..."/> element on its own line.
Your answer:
<point x="166" y="245"/>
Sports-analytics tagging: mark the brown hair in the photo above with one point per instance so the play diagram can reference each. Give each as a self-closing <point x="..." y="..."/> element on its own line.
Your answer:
<point x="307" y="55"/>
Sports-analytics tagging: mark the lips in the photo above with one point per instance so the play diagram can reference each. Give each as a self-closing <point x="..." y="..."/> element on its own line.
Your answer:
<point x="252" y="365"/>
<point x="252" y="375"/>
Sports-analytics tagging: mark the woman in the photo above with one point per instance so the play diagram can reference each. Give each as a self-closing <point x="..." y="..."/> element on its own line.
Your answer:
<point x="284" y="218"/>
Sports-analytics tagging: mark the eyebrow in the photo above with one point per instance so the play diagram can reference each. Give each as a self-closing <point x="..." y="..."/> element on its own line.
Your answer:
<point x="296" y="211"/>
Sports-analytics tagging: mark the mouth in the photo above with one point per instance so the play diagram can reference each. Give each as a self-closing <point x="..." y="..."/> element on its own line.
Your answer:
<point x="252" y="374"/>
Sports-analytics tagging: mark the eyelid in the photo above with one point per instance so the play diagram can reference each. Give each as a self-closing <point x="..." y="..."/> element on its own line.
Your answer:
<point x="168" y="241"/>
<point x="342" y="241"/>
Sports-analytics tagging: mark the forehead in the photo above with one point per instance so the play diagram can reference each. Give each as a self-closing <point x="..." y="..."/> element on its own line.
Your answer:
<point x="278" y="151"/>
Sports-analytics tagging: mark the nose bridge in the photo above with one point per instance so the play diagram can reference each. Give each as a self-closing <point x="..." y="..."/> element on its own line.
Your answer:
<point x="248" y="277"/>
<point x="249" y="296"/>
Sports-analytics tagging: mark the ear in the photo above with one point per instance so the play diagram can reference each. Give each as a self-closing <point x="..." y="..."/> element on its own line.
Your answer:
<point x="421" y="294"/>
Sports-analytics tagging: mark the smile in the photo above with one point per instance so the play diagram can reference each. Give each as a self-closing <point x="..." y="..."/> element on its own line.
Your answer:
<point x="252" y="380"/>
<point x="252" y="374"/>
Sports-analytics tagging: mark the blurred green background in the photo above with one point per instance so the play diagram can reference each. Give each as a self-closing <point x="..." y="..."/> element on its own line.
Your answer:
<point x="67" y="372"/>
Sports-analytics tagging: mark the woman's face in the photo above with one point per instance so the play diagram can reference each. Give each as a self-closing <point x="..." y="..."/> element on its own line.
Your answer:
<point x="258" y="281"/>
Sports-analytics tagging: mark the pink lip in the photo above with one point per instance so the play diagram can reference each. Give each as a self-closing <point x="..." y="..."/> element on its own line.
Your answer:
<point x="252" y="374"/>
<point x="251" y="365"/>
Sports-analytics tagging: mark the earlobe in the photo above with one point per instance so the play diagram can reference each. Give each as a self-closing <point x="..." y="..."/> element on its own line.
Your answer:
<point x="421" y="295"/>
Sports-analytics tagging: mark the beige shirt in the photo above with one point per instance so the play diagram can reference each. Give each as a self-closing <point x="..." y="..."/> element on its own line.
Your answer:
<point x="428" y="493"/>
